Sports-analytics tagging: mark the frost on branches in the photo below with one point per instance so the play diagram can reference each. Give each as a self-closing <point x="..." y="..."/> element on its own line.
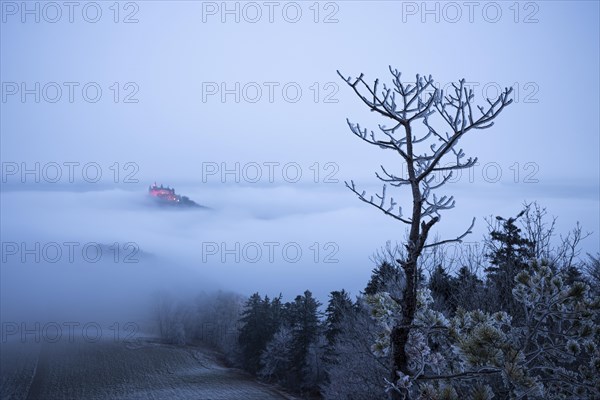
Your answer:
<point x="552" y="354"/>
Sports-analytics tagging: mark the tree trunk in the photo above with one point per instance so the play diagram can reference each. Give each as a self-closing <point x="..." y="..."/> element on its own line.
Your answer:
<point x="399" y="335"/>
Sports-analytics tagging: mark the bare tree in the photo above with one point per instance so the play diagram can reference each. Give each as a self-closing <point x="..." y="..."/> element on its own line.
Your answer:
<point x="165" y="314"/>
<point x="541" y="232"/>
<point x="537" y="230"/>
<point x="405" y="105"/>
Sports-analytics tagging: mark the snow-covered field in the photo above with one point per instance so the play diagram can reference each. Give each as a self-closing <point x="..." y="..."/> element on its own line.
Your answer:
<point x="118" y="370"/>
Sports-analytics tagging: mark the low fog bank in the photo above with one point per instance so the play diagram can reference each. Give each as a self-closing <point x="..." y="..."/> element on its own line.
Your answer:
<point x="274" y="239"/>
<point x="107" y="254"/>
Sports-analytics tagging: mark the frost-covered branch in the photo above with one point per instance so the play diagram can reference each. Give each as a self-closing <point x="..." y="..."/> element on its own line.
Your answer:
<point x="381" y="204"/>
<point x="458" y="239"/>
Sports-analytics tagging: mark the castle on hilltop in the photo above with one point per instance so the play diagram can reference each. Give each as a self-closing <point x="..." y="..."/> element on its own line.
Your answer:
<point x="166" y="195"/>
<point x="163" y="193"/>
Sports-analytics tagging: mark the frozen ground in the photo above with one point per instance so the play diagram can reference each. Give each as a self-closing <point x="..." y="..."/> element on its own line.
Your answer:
<point x="118" y="370"/>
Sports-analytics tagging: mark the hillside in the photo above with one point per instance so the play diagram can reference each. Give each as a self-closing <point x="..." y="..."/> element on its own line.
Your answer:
<point x="110" y="370"/>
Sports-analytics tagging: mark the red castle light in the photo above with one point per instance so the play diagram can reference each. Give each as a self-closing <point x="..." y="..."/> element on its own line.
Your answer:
<point x="167" y="195"/>
<point x="163" y="193"/>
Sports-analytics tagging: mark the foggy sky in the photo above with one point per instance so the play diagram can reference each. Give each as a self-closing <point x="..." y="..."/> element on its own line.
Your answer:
<point x="544" y="147"/>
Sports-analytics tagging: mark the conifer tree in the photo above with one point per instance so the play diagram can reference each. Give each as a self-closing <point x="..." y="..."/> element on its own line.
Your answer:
<point x="509" y="254"/>
<point x="382" y="277"/>
<point x="304" y="322"/>
<point x="441" y="287"/>
<point x="256" y="332"/>
<point x="339" y="305"/>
